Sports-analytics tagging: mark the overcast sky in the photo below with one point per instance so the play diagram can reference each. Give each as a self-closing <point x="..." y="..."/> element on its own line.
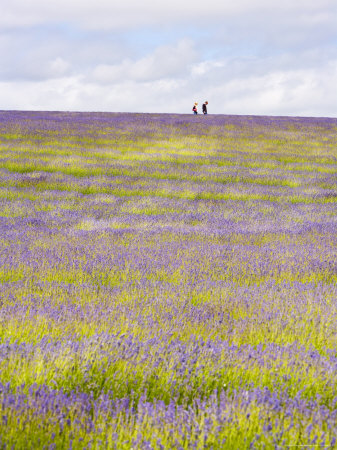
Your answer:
<point x="244" y="56"/>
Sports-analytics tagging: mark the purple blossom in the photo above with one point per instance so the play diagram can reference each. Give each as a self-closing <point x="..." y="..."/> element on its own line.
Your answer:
<point x="167" y="282"/>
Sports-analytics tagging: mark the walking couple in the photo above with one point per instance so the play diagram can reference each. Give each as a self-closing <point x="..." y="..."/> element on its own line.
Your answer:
<point x="204" y="108"/>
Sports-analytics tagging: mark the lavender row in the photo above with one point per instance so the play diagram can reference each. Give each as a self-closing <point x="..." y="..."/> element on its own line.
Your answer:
<point x="167" y="281"/>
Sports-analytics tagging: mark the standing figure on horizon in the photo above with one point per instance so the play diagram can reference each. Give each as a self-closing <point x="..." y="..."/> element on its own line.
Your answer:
<point x="204" y="107"/>
<point x="195" y="108"/>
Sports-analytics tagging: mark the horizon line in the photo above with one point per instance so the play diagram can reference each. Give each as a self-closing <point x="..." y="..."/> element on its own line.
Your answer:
<point x="163" y="113"/>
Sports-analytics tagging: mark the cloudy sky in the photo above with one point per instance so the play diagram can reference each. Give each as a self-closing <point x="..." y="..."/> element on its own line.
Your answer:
<point x="244" y="56"/>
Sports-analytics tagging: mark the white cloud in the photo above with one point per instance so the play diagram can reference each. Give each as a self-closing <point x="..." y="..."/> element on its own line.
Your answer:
<point x="109" y="14"/>
<point x="204" y="67"/>
<point x="308" y="92"/>
<point x="292" y="92"/>
<point x="164" y="62"/>
<point x="58" y="67"/>
<point x="245" y="57"/>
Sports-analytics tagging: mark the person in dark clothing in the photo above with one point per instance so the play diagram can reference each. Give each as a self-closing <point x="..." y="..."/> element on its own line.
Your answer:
<point x="204" y="107"/>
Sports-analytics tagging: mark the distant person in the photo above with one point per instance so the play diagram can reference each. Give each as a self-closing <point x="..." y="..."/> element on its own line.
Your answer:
<point x="195" y="108"/>
<point x="204" y="107"/>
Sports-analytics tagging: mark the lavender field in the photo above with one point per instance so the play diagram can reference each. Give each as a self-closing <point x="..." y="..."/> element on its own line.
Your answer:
<point x="167" y="281"/>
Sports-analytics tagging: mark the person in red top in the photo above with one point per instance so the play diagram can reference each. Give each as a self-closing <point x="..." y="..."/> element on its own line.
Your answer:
<point x="195" y="108"/>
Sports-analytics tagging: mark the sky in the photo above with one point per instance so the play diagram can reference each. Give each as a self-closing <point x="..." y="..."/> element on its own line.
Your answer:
<point x="259" y="57"/>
